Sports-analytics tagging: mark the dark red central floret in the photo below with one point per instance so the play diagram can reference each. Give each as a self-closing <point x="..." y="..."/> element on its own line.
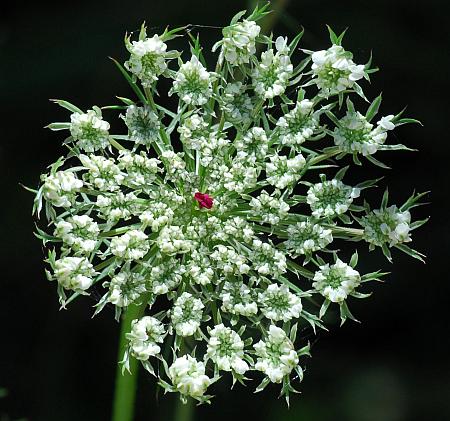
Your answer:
<point x="204" y="200"/>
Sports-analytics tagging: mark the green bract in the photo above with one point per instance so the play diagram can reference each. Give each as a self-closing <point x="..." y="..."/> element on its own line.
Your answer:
<point x="216" y="217"/>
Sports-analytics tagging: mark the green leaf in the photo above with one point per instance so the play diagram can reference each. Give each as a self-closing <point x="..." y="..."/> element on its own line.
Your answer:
<point x="368" y="183"/>
<point x="67" y="105"/>
<point x="373" y="108"/>
<point x="411" y="252"/>
<point x="360" y="92"/>
<point x="295" y="41"/>
<point x="333" y="36"/>
<point x="324" y="308"/>
<point x="386" y="252"/>
<point x="341" y="173"/>
<point x="345" y="313"/>
<point x="262" y="385"/>
<point x="354" y="259"/>
<point x="259" y="12"/>
<point x="335" y="39"/>
<point x="126" y="101"/>
<point x="289" y="284"/>
<point x="341" y="36"/>
<point x="313" y="320"/>
<point x="402" y="121"/>
<point x="385" y="200"/>
<point x="167" y="35"/>
<point x="238" y="15"/>
<point x="374" y="276"/>
<point x="350" y="106"/>
<point x="360" y="295"/>
<point x="293" y="333"/>
<point x="398" y="147"/>
<point x="413" y="201"/>
<point x="133" y="85"/>
<point x="42" y="235"/>
<point x="297" y="269"/>
<point x="417" y="224"/>
<point x="377" y="163"/>
<point x="332" y="117"/>
<point x="58" y="126"/>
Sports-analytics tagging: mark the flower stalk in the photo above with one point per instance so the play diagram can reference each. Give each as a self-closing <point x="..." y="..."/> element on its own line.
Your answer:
<point x="126" y="382"/>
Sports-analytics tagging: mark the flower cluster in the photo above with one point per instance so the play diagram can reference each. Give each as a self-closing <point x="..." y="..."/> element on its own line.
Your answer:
<point x="144" y="337"/>
<point x="193" y="82"/>
<point x="226" y="349"/>
<point x="306" y="237"/>
<point x="276" y="355"/>
<point x="238" y="43"/>
<point x="271" y="76"/>
<point x="354" y="134"/>
<point x="89" y="130"/>
<point x="330" y="197"/>
<point x="334" y="71"/>
<point x="299" y="124"/>
<point x="216" y="218"/>
<point x="337" y="281"/>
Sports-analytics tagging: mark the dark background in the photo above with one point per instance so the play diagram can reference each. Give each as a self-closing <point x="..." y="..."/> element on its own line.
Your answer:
<point x="60" y="365"/>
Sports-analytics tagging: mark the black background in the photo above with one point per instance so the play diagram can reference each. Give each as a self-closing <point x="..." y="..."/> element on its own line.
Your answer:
<point x="60" y="365"/>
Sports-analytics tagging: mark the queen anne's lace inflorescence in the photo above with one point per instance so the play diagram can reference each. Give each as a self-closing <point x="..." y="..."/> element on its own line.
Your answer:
<point x="217" y="218"/>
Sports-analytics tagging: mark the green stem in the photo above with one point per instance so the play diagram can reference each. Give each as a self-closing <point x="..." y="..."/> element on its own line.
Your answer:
<point x="125" y="389"/>
<point x="184" y="411"/>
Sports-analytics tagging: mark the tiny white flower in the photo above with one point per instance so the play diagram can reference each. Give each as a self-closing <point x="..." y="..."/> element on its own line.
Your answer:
<point x="133" y="245"/>
<point x="79" y="232"/>
<point x="238" y="43"/>
<point x="118" y="206"/>
<point x="90" y="131"/>
<point x="269" y="208"/>
<point x="165" y="276"/>
<point x="145" y="335"/>
<point x="103" y="174"/>
<point x="298" y="125"/>
<point x="334" y="70"/>
<point x="193" y="83"/>
<point x="237" y="103"/>
<point x="147" y="60"/>
<point x="237" y="299"/>
<point x="355" y="134"/>
<point x="276" y="355"/>
<point x="229" y="261"/>
<point x="278" y="303"/>
<point x="186" y="314"/>
<point x="266" y="259"/>
<point x="188" y="376"/>
<point x="60" y="188"/>
<point x="171" y="240"/>
<point x="157" y="216"/>
<point x="306" y="237"/>
<point x="387" y="226"/>
<point x="271" y="76"/>
<point x="226" y="349"/>
<point x="283" y="171"/>
<point x="139" y="170"/>
<point x="330" y="198"/>
<point x="74" y="273"/>
<point x="143" y="125"/>
<point x="337" y="281"/>
<point x="125" y="288"/>
<point x="386" y="122"/>
<point x="241" y="176"/>
<point x="254" y="144"/>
